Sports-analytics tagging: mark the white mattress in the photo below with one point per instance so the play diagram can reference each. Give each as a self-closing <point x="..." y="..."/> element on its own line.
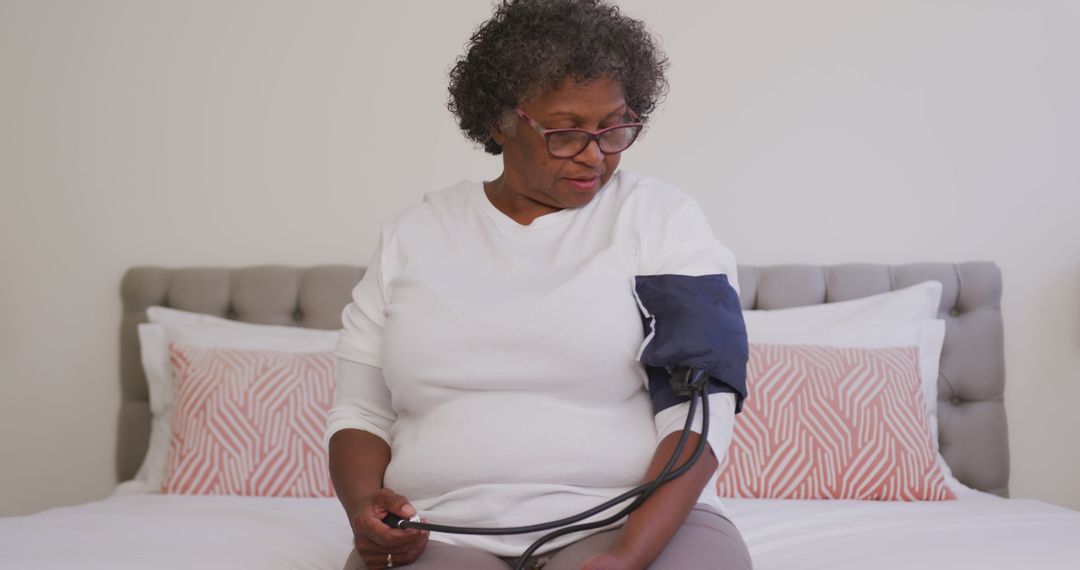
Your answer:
<point x="979" y="530"/>
<point x="165" y="531"/>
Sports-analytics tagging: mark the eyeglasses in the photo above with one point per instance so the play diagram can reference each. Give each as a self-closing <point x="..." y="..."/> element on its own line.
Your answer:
<point x="567" y="143"/>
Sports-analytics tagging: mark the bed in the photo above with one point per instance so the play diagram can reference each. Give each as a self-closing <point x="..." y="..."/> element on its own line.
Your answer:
<point x="984" y="528"/>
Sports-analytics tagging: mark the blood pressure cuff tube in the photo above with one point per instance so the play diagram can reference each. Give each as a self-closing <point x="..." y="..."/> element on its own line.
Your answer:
<point x="692" y="321"/>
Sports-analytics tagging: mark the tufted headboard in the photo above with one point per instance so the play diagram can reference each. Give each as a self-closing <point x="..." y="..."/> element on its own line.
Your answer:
<point x="971" y="383"/>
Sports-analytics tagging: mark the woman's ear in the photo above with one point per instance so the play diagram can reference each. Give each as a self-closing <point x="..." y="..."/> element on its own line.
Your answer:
<point x="504" y="129"/>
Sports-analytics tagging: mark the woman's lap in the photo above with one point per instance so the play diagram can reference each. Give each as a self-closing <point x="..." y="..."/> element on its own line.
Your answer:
<point x="439" y="555"/>
<point x="706" y="540"/>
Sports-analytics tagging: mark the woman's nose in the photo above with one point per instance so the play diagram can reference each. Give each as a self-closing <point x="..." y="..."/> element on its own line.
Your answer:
<point x="591" y="154"/>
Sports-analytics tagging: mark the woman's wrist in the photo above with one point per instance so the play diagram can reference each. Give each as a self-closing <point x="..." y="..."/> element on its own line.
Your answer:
<point x="649" y="527"/>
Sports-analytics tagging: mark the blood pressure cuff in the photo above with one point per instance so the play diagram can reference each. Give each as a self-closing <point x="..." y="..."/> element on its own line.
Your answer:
<point x="692" y="321"/>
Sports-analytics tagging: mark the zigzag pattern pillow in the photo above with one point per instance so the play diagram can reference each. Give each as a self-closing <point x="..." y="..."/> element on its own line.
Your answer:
<point x="832" y="423"/>
<point x="249" y="422"/>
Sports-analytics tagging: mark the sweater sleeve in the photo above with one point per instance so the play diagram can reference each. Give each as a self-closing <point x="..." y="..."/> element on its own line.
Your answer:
<point x="361" y="398"/>
<point x="684" y="244"/>
<point x="362" y="320"/>
<point x="361" y="401"/>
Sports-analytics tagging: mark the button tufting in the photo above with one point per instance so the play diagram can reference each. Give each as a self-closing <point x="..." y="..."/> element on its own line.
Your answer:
<point x="955" y="400"/>
<point x="954" y="312"/>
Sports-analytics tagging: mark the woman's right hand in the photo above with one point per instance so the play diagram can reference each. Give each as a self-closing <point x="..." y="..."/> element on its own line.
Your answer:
<point x="374" y="539"/>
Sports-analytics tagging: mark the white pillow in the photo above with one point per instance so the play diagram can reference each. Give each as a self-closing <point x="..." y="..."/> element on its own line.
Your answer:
<point x="905" y="317"/>
<point x="910" y="304"/>
<point x="195" y="329"/>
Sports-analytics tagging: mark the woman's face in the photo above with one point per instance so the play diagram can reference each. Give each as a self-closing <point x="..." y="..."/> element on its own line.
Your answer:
<point x="543" y="183"/>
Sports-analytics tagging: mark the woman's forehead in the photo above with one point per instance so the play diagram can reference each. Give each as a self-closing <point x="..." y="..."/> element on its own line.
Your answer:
<point x="580" y="99"/>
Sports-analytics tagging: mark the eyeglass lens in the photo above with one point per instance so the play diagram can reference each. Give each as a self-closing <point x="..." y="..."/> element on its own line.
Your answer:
<point x="570" y="143"/>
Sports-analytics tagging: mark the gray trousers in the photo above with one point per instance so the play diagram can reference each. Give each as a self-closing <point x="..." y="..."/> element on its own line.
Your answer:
<point x="706" y="540"/>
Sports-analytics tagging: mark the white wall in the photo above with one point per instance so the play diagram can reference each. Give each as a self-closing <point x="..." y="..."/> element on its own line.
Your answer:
<point x="235" y="133"/>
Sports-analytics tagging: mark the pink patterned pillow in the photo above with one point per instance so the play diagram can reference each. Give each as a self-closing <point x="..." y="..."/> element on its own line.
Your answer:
<point x="249" y="422"/>
<point x="832" y="423"/>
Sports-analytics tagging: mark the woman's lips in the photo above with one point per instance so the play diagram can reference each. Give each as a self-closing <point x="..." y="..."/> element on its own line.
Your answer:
<point x="584" y="184"/>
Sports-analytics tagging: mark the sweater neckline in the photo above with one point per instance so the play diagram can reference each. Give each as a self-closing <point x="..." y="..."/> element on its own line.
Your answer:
<point x="481" y="200"/>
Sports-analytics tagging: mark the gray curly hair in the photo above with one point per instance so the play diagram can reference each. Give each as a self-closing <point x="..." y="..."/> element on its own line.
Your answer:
<point x="529" y="47"/>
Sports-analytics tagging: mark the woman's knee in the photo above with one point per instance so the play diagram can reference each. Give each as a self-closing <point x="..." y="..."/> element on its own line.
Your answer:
<point x="706" y="540"/>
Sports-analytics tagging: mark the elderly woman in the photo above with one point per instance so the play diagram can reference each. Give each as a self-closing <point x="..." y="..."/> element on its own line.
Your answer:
<point x="488" y="363"/>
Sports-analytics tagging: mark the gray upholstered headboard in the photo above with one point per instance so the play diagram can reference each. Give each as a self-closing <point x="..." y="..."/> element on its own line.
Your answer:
<point x="971" y="383"/>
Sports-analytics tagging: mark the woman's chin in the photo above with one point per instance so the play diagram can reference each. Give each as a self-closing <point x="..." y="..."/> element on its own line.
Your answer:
<point x="578" y="199"/>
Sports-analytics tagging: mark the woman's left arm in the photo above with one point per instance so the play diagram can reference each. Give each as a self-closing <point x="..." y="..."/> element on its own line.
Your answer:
<point x="650" y="526"/>
<point x="683" y="244"/>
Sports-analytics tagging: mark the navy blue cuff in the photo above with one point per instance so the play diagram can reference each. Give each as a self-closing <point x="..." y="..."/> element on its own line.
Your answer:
<point x="692" y="321"/>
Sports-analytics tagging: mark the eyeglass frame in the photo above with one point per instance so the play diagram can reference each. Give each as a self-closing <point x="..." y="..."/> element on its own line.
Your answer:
<point x="593" y="135"/>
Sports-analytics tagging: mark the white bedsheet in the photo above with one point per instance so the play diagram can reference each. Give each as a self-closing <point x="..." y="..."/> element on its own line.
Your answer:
<point x="164" y="531"/>
<point x="979" y="530"/>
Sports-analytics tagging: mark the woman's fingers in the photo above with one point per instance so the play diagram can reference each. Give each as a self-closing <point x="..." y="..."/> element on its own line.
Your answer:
<point x="376" y="558"/>
<point x="391" y="502"/>
<point x="426" y="533"/>
<point x="412" y="555"/>
<point x="396" y="539"/>
<point x="379" y="536"/>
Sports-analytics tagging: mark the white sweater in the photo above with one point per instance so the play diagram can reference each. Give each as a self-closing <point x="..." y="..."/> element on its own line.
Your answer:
<point x="498" y="360"/>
